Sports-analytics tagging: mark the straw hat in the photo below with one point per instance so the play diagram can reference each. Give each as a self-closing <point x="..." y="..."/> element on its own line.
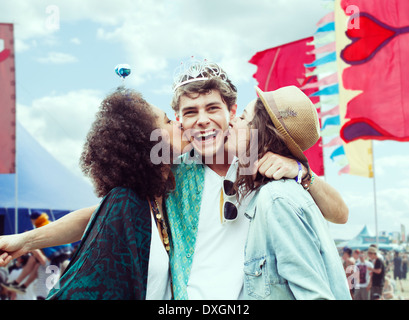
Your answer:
<point x="294" y="116"/>
<point x="372" y="250"/>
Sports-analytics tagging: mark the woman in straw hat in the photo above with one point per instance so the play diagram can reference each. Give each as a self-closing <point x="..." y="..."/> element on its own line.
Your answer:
<point x="289" y="253"/>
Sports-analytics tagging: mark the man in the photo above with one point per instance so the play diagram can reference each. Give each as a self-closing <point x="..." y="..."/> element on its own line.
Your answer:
<point x="397" y="268"/>
<point x="364" y="266"/>
<point x="349" y="267"/>
<point x="207" y="262"/>
<point x="378" y="273"/>
<point x="199" y="243"/>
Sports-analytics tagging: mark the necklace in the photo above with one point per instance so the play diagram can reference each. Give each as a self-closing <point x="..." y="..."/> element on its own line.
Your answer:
<point x="161" y="221"/>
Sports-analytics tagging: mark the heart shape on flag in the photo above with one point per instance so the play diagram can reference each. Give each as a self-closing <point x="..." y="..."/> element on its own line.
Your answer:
<point x="4" y="54"/>
<point x="370" y="37"/>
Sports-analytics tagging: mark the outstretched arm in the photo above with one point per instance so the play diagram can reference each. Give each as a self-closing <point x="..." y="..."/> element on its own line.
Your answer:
<point x="325" y="196"/>
<point x="65" y="230"/>
<point x="329" y="201"/>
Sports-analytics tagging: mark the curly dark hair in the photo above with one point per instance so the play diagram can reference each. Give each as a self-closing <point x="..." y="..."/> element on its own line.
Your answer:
<point x="117" y="150"/>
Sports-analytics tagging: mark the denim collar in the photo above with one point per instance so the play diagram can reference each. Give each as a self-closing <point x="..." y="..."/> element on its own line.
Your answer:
<point x="252" y="206"/>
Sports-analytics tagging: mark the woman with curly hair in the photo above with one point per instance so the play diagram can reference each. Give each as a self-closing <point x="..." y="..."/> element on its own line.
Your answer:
<point x="124" y="250"/>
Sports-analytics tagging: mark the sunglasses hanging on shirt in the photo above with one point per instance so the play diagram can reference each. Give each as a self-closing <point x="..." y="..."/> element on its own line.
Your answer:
<point x="230" y="210"/>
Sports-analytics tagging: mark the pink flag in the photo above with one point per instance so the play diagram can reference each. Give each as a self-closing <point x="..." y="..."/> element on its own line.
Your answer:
<point x="337" y="141"/>
<point x="329" y="47"/>
<point x="331" y="79"/>
<point x="331" y="112"/>
<point x="284" y="66"/>
<point x="329" y="17"/>
<point x="344" y="170"/>
<point x="7" y="101"/>
<point x="378" y="58"/>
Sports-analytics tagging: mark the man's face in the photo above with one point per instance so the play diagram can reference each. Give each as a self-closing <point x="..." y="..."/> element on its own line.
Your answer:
<point x="355" y="255"/>
<point x="205" y="118"/>
<point x="345" y="256"/>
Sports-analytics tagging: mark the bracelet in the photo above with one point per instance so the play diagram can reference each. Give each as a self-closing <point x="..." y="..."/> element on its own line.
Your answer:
<point x="298" y="178"/>
<point x="308" y="180"/>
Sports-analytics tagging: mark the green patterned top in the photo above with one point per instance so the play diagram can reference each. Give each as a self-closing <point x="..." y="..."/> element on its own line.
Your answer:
<point x="183" y="208"/>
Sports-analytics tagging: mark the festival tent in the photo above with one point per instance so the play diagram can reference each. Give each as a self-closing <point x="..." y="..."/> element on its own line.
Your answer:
<point x="364" y="239"/>
<point x="43" y="184"/>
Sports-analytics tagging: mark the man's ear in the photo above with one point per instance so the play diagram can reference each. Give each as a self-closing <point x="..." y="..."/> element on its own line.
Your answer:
<point x="233" y="111"/>
<point x="177" y="117"/>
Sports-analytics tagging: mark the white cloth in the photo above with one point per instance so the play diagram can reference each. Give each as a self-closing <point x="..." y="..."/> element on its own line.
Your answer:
<point x="217" y="268"/>
<point x="158" y="287"/>
<point x="43" y="280"/>
<point x="366" y="265"/>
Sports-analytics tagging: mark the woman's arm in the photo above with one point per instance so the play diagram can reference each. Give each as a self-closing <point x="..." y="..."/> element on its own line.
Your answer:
<point x="65" y="230"/>
<point x="40" y="257"/>
<point x="330" y="202"/>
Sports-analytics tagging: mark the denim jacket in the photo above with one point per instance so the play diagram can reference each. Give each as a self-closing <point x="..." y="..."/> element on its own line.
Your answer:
<point x="289" y="252"/>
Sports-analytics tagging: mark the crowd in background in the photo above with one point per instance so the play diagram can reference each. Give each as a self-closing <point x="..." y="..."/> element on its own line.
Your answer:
<point x="31" y="276"/>
<point x="375" y="275"/>
<point x="372" y="275"/>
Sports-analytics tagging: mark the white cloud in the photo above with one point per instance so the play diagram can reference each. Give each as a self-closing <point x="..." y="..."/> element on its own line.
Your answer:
<point x="153" y="36"/>
<point x="29" y="19"/>
<point x="392" y="205"/>
<point x="396" y="162"/>
<point x="391" y="214"/>
<point x="163" y="90"/>
<point x="60" y="122"/>
<point x="57" y="58"/>
<point x="21" y="46"/>
<point x="153" y="33"/>
<point x="75" y="41"/>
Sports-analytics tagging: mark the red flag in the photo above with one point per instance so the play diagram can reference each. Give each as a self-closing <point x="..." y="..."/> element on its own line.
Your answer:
<point x="285" y="66"/>
<point x="7" y="100"/>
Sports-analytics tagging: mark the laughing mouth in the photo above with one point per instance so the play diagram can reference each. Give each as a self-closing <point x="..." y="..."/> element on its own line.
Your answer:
<point x="205" y="135"/>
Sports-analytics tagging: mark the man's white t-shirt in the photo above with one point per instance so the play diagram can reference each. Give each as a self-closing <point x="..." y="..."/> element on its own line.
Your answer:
<point x="217" y="268"/>
<point x="366" y="265"/>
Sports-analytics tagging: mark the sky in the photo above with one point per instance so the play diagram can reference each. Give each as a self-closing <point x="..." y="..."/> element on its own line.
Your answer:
<point x="66" y="52"/>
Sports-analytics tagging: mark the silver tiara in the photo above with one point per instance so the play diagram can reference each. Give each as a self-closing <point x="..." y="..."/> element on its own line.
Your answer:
<point x="196" y="70"/>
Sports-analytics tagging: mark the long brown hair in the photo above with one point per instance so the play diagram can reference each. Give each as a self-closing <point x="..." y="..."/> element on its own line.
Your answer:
<point x="269" y="139"/>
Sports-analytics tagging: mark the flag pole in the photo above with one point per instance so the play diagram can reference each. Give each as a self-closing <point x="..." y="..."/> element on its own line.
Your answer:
<point x="15" y="153"/>
<point x="374" y="194"/>
<point x="16" y="197"/>
<point x="15" y="184"/>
